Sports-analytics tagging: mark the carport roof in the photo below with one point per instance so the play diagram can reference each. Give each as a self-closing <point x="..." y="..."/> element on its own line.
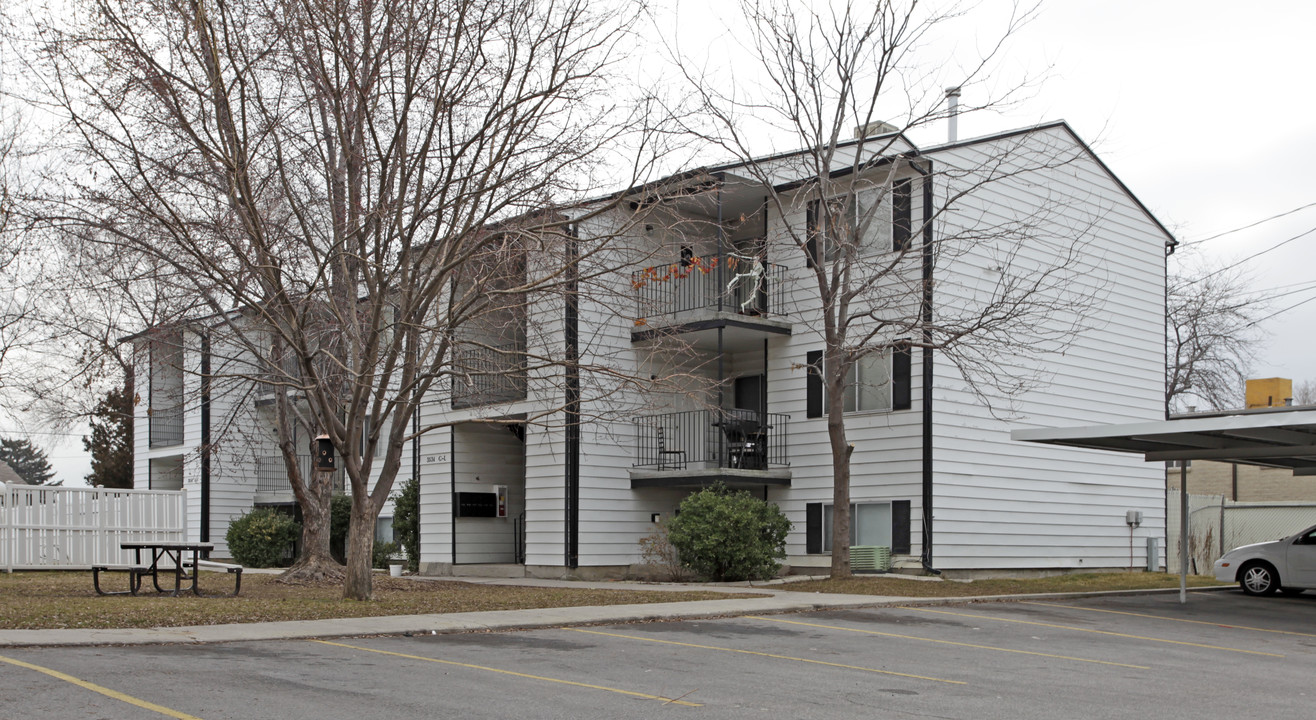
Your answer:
<point x="1271" y="437"/>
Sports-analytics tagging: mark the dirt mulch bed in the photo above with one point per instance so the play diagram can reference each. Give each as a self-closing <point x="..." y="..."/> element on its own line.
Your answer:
<point x="44" y="600"/>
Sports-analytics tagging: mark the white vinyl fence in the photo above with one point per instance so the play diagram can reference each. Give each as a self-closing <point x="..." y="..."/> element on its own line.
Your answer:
<point x="1217" y="525"/>
<point x="59" y="527"/>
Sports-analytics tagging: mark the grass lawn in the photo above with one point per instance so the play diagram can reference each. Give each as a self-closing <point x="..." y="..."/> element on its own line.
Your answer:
<point x="42" y="600"/>
<point x="1081" y="582"/>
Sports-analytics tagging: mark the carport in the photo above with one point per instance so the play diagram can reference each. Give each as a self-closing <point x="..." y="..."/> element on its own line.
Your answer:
<point x="1270" y="437"/>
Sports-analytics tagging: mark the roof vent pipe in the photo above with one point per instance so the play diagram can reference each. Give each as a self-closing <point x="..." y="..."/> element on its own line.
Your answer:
<point x="953" y="113"/>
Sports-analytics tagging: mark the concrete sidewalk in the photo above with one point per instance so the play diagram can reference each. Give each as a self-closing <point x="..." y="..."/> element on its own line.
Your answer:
<point x="774" y="598"/>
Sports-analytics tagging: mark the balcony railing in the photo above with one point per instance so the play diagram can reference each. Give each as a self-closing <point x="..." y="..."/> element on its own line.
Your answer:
<point x="486" y="375"/>
<point x="272" y="475"/>
<point x="695" y="439"/>
<point x="727" y="283"/>
<point x="166" y="427"/>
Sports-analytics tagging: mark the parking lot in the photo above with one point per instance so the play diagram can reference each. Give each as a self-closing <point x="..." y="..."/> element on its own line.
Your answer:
<point x="1223" y="654"/>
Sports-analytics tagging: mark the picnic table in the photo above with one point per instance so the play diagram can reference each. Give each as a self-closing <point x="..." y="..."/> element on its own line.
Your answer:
<point x="167" y="558"/>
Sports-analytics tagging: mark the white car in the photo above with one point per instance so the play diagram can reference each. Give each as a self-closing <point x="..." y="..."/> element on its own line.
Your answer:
<point x="1287" y="565"/>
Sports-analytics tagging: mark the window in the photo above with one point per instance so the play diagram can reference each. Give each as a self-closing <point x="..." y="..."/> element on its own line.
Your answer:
<point x="886" y="222"/>
<point x="365" y="440"/>
<point x="868" y="384"/>
<point x="384" y="529"/>
<point x="874" y="217"/>
<point x="1176" y="464"/>
<point x="827" y="230"/>
<point x="884" y="524"/>
<point x="902" y="200"/>
<point x="875" y="382"/>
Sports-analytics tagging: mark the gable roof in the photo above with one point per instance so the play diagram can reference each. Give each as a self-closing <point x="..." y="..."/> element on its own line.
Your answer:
<point x="8" y="476"/>
<point x="1170" y="240"/>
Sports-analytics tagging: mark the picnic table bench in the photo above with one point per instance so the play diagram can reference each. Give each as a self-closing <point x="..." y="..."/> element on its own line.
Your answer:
<point x="167" y="558"/>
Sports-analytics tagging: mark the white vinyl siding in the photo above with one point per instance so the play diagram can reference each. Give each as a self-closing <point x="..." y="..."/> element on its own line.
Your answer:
<point x="1002" y="504"/>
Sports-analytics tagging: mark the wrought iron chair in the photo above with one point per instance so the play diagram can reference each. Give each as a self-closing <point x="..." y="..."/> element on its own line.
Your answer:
<point x="664" y="453"/>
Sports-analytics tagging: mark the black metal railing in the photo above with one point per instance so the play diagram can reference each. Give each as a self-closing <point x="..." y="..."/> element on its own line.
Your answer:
<point x="730" y="283"/>
<point x="272" y="475"/>
<point x="486" y="375"/>
<point x="166" y="427"/>
<point x="741" y="439"/>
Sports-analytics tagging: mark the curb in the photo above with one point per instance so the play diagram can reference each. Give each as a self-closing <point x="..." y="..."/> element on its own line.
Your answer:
<point x="512" y="620"/>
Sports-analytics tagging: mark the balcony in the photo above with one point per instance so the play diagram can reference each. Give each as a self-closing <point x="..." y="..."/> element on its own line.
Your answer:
<point x="702" y="293"/>
<point x="696" y="447"/>
<point x="487" y="375"/>
<point x="166" y="427"/>
<point x="272" y="476"/>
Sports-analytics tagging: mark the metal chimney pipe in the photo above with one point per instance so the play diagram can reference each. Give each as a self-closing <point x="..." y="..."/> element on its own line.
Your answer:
<point x="953" y="113"/>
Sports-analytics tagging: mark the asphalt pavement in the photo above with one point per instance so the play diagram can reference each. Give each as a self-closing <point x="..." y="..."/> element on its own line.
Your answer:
<point x="772" y="598"/>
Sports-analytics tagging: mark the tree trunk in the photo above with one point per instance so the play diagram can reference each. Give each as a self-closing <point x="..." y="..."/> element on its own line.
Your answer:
<point x="315" y="564"/>
<point x="841" y="451"/>
<point x="360" y="550"/>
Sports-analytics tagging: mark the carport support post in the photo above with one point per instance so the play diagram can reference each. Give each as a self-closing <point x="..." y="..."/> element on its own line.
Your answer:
<point x="1183" y="532"/>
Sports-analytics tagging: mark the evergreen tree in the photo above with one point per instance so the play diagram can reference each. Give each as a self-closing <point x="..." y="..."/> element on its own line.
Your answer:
<point x="111" y="441"/>
<point x="27" y="460"/>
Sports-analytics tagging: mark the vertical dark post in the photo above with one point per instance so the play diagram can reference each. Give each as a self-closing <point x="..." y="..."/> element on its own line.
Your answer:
<point x="571" y="322"/>
<point x="205" y="439"/>
<point x="721" y="413"/>
<point x="721" y="261"/>
<point x="1183" y="532"/>
<point x="452" y="493"/>
<point x="925" y="317"/>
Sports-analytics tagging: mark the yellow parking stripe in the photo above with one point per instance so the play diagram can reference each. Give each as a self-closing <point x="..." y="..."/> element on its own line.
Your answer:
<point x="665" y="700"/>
<point x="1089" y="630"/>
<point x="771" y="655"/>
<point x="1174" y="619"/>
<point x="948" y="642"/>
<point x="101" y="689"/>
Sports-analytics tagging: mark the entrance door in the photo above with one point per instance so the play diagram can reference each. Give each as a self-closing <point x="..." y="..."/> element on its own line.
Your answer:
<point x="749" y="449"/>
<point x="750" y="393"/>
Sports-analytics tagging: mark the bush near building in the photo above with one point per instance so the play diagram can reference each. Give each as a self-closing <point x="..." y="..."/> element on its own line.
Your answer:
<point x="727" y="535"/>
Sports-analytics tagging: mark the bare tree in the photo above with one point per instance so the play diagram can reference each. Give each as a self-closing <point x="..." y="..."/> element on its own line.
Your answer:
<point x="340" y="189"/>
<point x="869" y="260"/>
<point x="1211" y="336"/>
<point x="1304" y="393"/>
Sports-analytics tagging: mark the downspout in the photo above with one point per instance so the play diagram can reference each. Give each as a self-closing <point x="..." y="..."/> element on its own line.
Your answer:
<point x="205" y="438"/>
<point x="452" y="495"/>
<point x="721" y="368"/>
<point x="571" y="322"/>
<point x="926" y="323"/>
<point x="415" y="467"/>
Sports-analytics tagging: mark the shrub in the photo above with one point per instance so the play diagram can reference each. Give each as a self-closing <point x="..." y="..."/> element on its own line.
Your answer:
<point x="383" y="552"/>
<point x="261" y="538"/>
<point x="406" y="521"/>
<point x="729" y="535"/>
<point x="340" y="519"/>
<point x="661" y="558"/>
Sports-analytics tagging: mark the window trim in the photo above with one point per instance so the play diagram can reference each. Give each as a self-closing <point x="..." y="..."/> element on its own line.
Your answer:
<point x="887" y="356"/>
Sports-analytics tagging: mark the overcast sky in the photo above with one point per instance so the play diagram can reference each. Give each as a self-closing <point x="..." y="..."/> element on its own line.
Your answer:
<point x="1201" y="108"/>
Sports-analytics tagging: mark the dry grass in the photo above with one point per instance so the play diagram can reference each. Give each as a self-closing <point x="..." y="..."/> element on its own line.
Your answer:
<point x="42" y="600"/>
<point x="1081" y="582"/>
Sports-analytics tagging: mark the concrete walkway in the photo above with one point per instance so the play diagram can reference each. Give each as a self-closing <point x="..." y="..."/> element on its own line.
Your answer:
<point x="774" y="597"/>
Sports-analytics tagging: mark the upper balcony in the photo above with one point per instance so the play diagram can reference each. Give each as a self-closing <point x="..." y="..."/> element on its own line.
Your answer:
<point x="485" y="375"/>
<point x="701" y="294"/>
<point x="166" y="426"/>
<point x="741" y="448"/>
<point x="272" y="478"/>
